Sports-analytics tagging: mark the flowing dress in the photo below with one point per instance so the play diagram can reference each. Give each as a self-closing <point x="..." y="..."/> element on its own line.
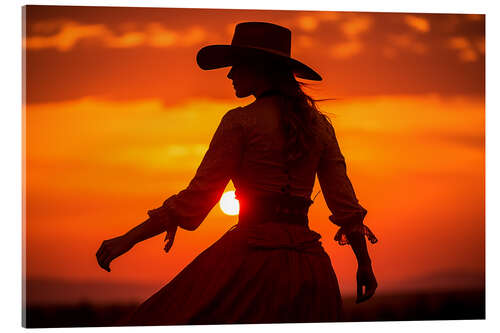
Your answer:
<point x="265" y="272"/>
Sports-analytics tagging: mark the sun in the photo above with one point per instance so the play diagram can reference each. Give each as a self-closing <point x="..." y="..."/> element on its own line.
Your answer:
<point x="229" y="204"/>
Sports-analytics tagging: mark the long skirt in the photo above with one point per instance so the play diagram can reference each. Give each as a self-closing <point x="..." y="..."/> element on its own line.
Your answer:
<point x="266" y="273"/>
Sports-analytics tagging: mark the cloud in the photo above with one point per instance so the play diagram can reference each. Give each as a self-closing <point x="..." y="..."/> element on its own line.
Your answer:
<point x="308" y="23"/>
<point x="304" y="42"/>
<point x="64" y="35"/>
<point x="311" y="22"/>
<point x="75" y="128"/>
<point x="459" y="43"/>
<point x="466" y="51"/>
<point x="418" y="23"/>
<point x="346" y="49"/>
<point x="389" y="52"/>
<point x="355" y="26"/>
<point x="480" y="45"/>
<point x="162" y="37"/>
<point x="126" y="40"/>
<point x="468" y="55"/>
<point x="128" y="148"/>
<point x="352" y="27"/>
<point x="68" y="34"/>
<point x="407" y="42"/>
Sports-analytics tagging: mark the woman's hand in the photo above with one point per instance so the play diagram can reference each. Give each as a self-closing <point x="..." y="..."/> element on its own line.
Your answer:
<point x="111" y="249"/>
<point x="365" y="278"/>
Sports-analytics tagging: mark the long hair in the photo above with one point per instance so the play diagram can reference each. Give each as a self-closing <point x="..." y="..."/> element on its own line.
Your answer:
<point x="300" y="115"/>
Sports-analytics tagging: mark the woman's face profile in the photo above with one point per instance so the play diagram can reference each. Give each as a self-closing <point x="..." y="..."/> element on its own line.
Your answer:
<point x="244" y="80"/>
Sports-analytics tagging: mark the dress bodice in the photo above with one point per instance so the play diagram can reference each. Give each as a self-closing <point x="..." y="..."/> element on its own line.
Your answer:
<point x="248" y="148"/>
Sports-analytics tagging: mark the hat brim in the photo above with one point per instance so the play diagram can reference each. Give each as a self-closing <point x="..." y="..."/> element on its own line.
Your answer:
<point x="219" y="56"/>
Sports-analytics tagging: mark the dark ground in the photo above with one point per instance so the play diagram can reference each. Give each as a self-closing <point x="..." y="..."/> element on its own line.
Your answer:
<point x="397" y="307"/>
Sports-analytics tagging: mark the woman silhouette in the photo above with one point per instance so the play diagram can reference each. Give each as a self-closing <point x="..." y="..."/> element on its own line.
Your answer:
<point x="270" y="267"/>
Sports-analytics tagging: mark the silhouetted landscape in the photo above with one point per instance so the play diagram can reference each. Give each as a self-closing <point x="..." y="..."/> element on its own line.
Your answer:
<point x="442" y="305"/>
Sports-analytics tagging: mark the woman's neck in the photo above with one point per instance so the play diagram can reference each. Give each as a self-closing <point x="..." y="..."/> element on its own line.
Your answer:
<point x="265" y="91"/>
<point x="270" y="92"/>
<point x="261" y="88"/>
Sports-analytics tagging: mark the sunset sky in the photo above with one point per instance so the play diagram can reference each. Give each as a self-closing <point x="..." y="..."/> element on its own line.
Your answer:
<point x="118" y="117"/>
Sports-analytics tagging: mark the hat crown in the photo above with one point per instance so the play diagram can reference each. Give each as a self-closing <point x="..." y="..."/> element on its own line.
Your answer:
<point x="263" y="35"/>
<point x="255" y="39"/>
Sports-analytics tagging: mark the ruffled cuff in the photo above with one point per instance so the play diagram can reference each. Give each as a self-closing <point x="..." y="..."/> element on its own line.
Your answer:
<point x="343" y="232"/>
<point x="165" y="215"/>
<point x="352" y="222"/>
<point x="164" y="212"/>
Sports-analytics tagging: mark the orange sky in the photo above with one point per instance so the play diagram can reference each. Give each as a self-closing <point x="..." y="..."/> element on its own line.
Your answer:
<point x="118" y="117"/>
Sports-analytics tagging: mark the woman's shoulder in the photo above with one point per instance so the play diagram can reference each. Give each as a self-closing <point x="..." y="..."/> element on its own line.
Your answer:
<point x="325" y="127"/>
<point x="239" y="116"/>
<point x="232" y="114"/>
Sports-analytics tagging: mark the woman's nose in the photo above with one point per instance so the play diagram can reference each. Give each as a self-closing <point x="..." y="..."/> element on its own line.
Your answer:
<point x="230" y="74"/>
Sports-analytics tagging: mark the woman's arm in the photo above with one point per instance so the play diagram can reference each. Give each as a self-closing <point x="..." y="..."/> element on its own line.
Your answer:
<point x="188" y="208"/>
<point x="346" y="212"/>
<point x="146" y="230"/>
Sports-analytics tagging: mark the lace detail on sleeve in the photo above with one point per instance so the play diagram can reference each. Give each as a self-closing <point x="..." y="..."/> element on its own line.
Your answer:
<point x="162" y="212"/>
<point x="341" y="235"/>
<point x="352" y="223"/>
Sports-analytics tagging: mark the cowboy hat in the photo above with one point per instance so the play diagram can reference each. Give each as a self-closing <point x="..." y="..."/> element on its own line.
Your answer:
<point x="255" y="39"/>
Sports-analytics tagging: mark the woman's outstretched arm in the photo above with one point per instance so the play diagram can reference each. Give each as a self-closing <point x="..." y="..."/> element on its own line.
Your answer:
<point x="188" y="208"/>
<point x="146" y="230"/>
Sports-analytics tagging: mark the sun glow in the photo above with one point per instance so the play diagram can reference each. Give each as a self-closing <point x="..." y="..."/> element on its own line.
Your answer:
<point x="229" y="204"/>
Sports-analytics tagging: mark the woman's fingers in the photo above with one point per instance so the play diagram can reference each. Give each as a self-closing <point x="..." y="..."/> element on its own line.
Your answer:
<point x="104" y="266"/>
<point x="359" y="292"/>
<point x="370" y="291"/>
<point x="106" y="262"/>
<point x="101" y="261"/>
<point x="169" y="245"/>
<point x="363" y="296"/>
<point x="368" y="281"/>
<point x="170" y="237"/>
<point x="111" y="249"/>
<point x="104" y="256"/>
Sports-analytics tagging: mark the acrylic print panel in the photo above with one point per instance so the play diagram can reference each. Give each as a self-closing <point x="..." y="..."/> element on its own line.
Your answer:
<point x="119" y="117"/>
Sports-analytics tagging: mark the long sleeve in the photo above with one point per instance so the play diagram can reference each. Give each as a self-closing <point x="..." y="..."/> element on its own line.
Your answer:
<point x="339" y="193"/>
<point x="188" y="208"/>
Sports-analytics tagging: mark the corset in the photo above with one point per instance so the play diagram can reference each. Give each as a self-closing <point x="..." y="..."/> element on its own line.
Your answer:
<point x="257" y="208"/>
